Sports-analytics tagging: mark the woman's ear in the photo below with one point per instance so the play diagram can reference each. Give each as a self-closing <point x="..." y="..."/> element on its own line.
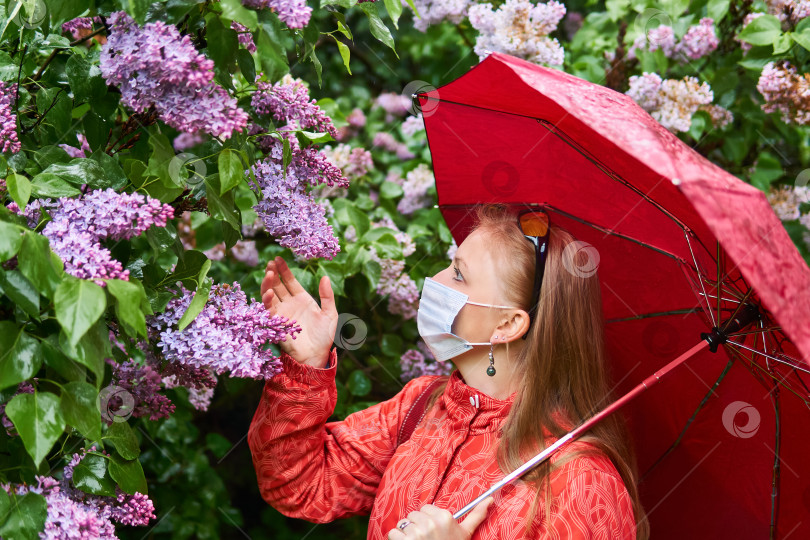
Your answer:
<point x="512" y="328"/>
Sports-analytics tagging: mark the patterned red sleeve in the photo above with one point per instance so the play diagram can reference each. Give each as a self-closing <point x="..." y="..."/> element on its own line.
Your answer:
<point x="594" y="505"/>
<point x="310" y="469"/>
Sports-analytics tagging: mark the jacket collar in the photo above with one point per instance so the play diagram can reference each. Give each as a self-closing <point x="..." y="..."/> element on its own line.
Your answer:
<point x="469" y="405"/>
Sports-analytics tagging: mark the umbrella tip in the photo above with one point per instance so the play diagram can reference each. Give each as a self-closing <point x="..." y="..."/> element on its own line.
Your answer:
<point x="676" y="181"/>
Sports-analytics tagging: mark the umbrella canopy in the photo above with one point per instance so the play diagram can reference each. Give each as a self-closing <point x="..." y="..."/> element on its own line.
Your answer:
<point x="680" y="246"/>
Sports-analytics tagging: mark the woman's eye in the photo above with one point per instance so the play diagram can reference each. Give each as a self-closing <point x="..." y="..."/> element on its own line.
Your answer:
<point x="457" y="274"/>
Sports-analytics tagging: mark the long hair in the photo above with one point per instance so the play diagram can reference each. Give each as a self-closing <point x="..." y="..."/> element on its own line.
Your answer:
<point x="563" y="362"/>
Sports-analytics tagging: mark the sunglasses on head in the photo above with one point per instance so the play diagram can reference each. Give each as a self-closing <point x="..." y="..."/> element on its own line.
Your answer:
<point x="535" y="227"/>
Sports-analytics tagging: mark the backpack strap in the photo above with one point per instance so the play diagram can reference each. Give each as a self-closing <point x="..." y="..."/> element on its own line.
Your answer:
<point x="417" y="411"/>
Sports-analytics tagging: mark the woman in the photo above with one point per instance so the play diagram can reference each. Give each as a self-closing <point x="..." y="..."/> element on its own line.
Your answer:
<point x="539" y="372"/>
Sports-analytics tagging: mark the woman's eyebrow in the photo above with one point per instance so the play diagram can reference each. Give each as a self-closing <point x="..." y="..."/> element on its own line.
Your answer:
<point x="460" y="261"/>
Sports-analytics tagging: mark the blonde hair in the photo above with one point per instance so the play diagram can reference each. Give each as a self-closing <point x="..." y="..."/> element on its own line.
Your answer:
<point x="563" y="362"/>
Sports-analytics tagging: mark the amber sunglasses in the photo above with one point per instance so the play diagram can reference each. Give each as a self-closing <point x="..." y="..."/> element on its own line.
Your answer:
<point x="535" y="227"/>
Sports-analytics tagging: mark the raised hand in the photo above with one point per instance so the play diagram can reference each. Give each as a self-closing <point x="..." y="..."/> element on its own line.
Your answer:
<point x="283" y="295"/>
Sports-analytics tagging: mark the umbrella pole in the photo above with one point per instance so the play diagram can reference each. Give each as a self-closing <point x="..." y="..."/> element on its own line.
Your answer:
<point x="742" y="317"/>
<point x="580" y="430"/>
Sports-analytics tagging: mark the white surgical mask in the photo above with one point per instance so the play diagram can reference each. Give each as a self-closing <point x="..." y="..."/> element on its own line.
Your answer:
<point x="438" y="307"/>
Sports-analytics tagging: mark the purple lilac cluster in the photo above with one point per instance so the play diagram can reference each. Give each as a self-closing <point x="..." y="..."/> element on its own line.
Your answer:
<point x="228" y="335"/>
<point x="387" y="142"/>
<point x="143" y="383"/>
<point x="419" y="362"/>
<point x="416" y="185"/>
<point x="785" y="92"/>
<point x="353" y="162"/>
<point x="187" y="140"/>
<point x="154" y="65"/>
<point x="698" y="41"/>
<point x="74" y="514"/>
<point x="8" y="120"/>
<point x="672" y="102"/>
<point x="355" y="120"/>
<point x="289" y="213"/>
<point x="397" y="285"/>
<point x="393" y="104"/>
<point x="244" y="36"/>
<point x="79" y="26"/>
<point x="293" y="13"/>
<point x="78" y="226"/>
<point x="288" y="100"/>
<point x="82" y="151"/>
<point x="791" y="11"/>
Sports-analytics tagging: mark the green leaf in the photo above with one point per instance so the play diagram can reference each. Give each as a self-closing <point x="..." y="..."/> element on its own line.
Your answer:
<point x="359" y="384"/>
<point x="38" y="419"/>
<point x="25" y="516"/>
<point x="80" y="407"/>
<point x="11" y="238"/>
<point x="91" y="476"/>
<point x="763" y="30"/>
<point x="717" y="9"/>
<point x="390" y="190"/>
<point x="78" y="304"/>
<point x="85" y="79"/>
<point x="159" y="161"/>
<point x="188" y="268"/>
<point x="128" y="474"/>
<point x="801" y="37"/>
<point x="389" y="246"/>
<point x="21" y="291"/>
<point x="122" y="436"/>
<point x="344" y="53"/>
<point x="768" y="169"/>
<point x="8" y="69"/>
<point x="91" y="350"/>
<point x="20" y="357"/>
<point x="391" y="345"/>
<point x="19" y="187"/>
<point x="137" y="9"/>
<point x="217" y="444"/>
<point x="222" y="43"/>
<point x="80" y="171"/>
<point x="372" y="270"/>
<point x="783" y="43"/>
<point x="233" y="10"/>
<point x="49" y="185"/>
<point x="231" y="171"/>
<point x="221" y="206"/>
<point x="112" y="169"/>
<point x="377" y="26"/>
<point x="196" y="305"/>
<point x="246" y="64"/>
<point x="59" y="362"/>
<point x="617" y="9"/>
<point x="129" y="296"/>
<point x="394" y="8"/>
<point x="271" y="55"/>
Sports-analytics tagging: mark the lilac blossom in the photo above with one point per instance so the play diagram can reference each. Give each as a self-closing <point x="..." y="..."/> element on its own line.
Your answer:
<point x="699" y="40"/>
<point x="786" y="201"/>
<point x="185" y="141"/>
<point x="413" y="125"/>
<point x="74" y="514"/>
<point x="353" y="162"/>
<point x="671" y="102"/>
<point x="82" y="151"/>
<point x="393" y="104"/>
<point x="80" y="26"/>
<point x="288" y="100"/>
<point x="245" y="252"/>
<point x="405" y="241"/>
<point x="227" y="336"/>
<point x="8" y="120"/>
<point x="416" y="185"/>
<point x="436" y="11"/>
<point x="785" y="92"/>
<point x="414" y="364"/>
<point x="154" y="65"/>
<point x="293" y="13"/>
<point x="791" y="11"/>
<point x="397" y="285"/>
<point x="387" y="142"/>
<point x="519" y="28"/>
<point x="143" y="383"/>
<point x="78" y="225"/>
<point x="244" y="36"/>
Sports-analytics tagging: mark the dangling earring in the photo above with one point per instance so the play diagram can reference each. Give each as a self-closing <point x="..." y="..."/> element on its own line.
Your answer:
<point x="491" y="368"/>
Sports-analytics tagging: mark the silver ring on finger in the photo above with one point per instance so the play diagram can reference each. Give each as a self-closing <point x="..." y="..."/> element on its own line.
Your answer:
<point x="402" y="524"/>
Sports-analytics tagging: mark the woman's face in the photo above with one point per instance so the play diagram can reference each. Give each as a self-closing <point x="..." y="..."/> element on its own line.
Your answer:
<point x="474" y="272"/>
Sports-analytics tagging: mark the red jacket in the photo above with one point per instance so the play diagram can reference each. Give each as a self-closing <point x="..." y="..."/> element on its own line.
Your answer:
<point x="320" y="471"/>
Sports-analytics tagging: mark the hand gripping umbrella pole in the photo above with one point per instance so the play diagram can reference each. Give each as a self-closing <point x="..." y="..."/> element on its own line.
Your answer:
<point x="713" y="339"/>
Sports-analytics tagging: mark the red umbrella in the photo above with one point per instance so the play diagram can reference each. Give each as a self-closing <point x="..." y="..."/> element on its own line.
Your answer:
<point x="682" y="247"/>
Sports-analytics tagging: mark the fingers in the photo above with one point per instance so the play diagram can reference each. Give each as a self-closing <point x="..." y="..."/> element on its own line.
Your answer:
<point x="274" y="283"/>
<point x="476" y="516"/>
<point x="269" y="300"/>
<point x="327" y="295"/>
<point x="290" y="282"/>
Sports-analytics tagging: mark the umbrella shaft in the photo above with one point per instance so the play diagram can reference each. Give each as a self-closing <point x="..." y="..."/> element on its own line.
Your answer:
<point x="578" y="431"/>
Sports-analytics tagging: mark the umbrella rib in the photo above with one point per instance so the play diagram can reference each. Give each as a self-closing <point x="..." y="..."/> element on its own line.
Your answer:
<point x="555" y="130"/>
<point x="691" y="418"/>
<point x="775" y="359"/>
<point x="708" y="304"/>
<point x="656" y="314"/>
<point x="717" y="287"/>
<point x="766" y="372"/>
